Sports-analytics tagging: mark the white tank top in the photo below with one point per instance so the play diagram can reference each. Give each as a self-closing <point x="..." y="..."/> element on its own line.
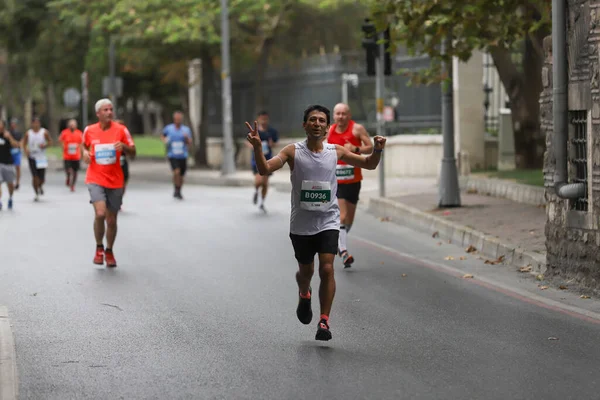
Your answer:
<point x="34" y="141"/>
<point x="314" y="191"/>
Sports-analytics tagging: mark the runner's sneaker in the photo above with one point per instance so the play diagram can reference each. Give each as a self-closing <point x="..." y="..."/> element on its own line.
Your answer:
<point x="347" y="259"/>
<point x="110" y="259"/>
<point x="255" y="198"/>
<point x="99" y="257"/>
<point x="10" y="204"/>
<point x="304" y="310"/>
<point x="72" y="188"/>
<point x="0" y="206"/>
<point x="323" y="332"/>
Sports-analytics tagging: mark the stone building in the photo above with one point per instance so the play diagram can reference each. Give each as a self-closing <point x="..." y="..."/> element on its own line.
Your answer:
<point x="572" y="227"/>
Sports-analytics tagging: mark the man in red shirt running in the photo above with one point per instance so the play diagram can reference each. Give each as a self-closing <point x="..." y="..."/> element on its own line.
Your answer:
<point x="354" y="137"/>
<point x="103" y="146"/>
<point x="71" y="139"/>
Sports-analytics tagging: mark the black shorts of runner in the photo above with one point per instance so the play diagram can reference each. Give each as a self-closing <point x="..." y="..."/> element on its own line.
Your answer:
<point x="180" y="164"/>
<point x="125" y="168"/>
<point x="39" y="172"/>
<point x="307" y="246"/>
<point x="72" y="164"/>
<point x="349" y="192"/>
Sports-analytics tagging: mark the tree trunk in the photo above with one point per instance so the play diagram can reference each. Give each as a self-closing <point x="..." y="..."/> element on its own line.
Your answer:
<point x="523" y="90"/>
<point x="52" y="110"/>
<point x="261" y="71"/>
<point x="264" y="52"/>
<point x="529" y="142"/>
<point x="146" y="120"/>
<point x="200" y="155"/>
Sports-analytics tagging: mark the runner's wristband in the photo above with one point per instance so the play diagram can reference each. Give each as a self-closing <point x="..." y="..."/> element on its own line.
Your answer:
<point x="378" y="151"/>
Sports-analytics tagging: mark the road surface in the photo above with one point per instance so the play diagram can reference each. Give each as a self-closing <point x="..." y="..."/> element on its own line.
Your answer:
<point x="202" y="306"/>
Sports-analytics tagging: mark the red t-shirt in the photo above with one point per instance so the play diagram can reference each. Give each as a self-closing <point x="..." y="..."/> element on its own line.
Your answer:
<point x="344" y="172"/>
<point x="71" y="144"/>
<point x="105" y="162"/>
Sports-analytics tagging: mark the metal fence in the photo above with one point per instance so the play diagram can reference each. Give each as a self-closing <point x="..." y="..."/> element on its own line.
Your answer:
<point x="290" y="88"/>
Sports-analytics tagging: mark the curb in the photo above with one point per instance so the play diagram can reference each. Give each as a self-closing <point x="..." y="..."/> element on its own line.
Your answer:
<point x="517" y="192"/>
<point x="458" y="234"/>
<point x="9" y="383"/>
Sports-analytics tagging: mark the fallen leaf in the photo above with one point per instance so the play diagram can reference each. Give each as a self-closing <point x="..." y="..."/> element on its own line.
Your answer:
<point x="539" y="277"/>
<point x="467" y="276"/>
<point x="435" y="234"/>
<point x="463" y="258"/>
<point x="447" y="213"/>
<point x="543" y="287"/>
<point x="563" y="287"/>
<point x="449" y="258"/>
<point x="528" y="268"/>
<point x="471" y="191"/>
<point x="470" y="249"/>
<point x="532" y="232"/>
<point x="34" y="294"/>
<point x="384" y="219"/>
<point x="404" y="275"/>
<point x="499" y="260"/>
<point x="583" y="296"/>
<point x="440" y="243"/>
<point x="449" y="241"/>
<point x="552" y="338"/>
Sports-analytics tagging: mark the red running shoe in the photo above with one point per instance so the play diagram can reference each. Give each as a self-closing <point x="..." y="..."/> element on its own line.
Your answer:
<point x="99" y="257"/>
<point x="110" y="259"/>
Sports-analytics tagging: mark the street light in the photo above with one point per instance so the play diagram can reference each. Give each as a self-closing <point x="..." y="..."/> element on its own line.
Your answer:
<point x="228" y="152"/>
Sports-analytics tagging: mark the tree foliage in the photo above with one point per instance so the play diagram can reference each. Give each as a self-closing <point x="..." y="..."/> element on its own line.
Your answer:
<point x="499" y="27"/>
<point x="489" y="25"/>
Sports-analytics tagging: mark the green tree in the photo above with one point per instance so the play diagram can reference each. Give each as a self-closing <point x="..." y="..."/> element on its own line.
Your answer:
<point x="496" y="26"/>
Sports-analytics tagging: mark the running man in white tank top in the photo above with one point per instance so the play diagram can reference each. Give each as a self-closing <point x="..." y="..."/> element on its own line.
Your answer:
<point x="315" y="215"/>
<point x="35" y="143"/>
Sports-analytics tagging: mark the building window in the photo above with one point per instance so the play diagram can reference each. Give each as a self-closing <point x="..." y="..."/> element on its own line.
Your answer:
<point x="578" y="155"/>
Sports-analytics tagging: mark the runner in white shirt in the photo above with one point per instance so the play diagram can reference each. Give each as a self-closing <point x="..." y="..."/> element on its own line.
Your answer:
<point x="35" y="143"/>
<point x="315" y="214"/>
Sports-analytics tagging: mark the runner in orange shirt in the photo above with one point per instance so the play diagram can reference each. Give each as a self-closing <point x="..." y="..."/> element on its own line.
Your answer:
<point x="354" y="137"/>
<point x="103" y="146"/>
<point x="71" y="139"/>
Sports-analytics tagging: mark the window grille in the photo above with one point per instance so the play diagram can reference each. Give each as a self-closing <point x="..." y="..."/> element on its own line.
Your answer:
<point x="578" y="159"/>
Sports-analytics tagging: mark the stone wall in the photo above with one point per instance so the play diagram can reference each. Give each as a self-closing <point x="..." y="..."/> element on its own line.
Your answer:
<point x="572" y="237"/>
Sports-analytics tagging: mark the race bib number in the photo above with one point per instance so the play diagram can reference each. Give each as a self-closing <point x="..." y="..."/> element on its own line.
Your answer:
<point x="72" y="149"/>
<point x="41" y="163"/>
<point x="177" y="148"/>
<point x="315" y="196"/>
<point x="105" y="154"/>
<point x="265" y="146"/>
<point x="344" y="172"/>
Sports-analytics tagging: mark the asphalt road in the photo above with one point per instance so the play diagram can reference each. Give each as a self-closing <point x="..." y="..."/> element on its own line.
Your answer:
<point x="202" y="306"/>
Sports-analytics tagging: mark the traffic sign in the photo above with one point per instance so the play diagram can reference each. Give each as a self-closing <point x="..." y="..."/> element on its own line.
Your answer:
<point x="388" y="114"/>
<point x="71" y="97"/>
<point x="106" y="86"/>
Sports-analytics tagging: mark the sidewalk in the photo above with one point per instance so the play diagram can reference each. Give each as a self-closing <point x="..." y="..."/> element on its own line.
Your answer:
<point x="502" y="230"/>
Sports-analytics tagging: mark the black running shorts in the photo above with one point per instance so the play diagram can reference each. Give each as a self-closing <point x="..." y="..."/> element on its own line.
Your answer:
<point x="307" y="246"/>
<point x="180" y="164"/>
<point x="72" y="164"/>
<point x="348" y="192"/>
